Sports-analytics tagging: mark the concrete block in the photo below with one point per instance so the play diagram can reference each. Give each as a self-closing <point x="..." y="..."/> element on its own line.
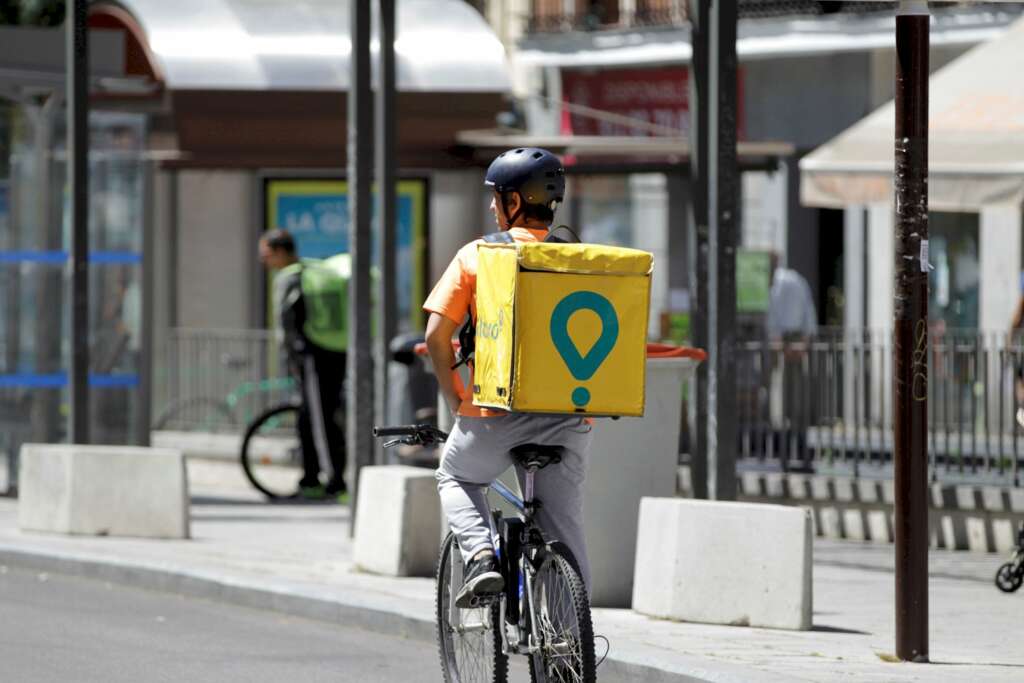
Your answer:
<point x="977" y="533"/>
<point x="822" y="489"/>
<point x="888" y="492"/>
<point x="752" y="484"/>
<point x="709" y="562"/>
<point x="868" y="491"/>
<point x="830" y="522"/>
<point x="879" y="528"/>
<point x="775" y="485"/>
<point x="1004" y="535"/>
<point x="398" y="521"/>
<point x="1016" y="497"/>
<point x="103" y="491"/>
<point x="843" y="488"/>
<point x="967" y="497"/>
<point x="799" y="486"/>
<point x="994" y="499"/>
<point x="854" y="525"/>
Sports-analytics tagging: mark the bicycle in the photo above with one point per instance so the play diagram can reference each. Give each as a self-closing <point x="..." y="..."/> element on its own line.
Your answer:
<point x="211" y="414"/>
<point x="543" y="611"/>
<point x="1010" y="576"/>
<point x="271" y="454"/>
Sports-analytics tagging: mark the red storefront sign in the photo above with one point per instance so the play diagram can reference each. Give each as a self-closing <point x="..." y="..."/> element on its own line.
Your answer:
<point x="659" y="96"/>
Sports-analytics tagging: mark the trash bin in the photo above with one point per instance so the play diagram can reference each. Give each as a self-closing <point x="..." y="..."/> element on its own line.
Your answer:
<point x="631" y="458"/>
<point x="412" y="397"/>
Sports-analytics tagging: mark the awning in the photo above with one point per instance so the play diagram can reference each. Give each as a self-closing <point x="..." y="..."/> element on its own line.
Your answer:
<point x="976" y="149"/>
<point x="440" y="45"/>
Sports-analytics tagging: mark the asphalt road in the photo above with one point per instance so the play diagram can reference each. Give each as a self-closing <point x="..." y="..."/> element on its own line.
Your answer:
<point x="58" y="629"/>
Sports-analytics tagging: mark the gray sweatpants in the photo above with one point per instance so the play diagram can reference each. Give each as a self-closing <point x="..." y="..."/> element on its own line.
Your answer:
<point x="477" y="452"/>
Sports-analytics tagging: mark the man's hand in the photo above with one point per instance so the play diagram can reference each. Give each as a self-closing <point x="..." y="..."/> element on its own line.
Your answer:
<point x="439" y="345"/>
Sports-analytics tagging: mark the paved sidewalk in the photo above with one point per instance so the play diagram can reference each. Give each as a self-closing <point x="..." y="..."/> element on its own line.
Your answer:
<point x="297" y="558"/>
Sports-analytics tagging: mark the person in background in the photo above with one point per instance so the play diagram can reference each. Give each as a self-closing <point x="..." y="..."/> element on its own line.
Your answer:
<point x="792" y="321"/>
<point x="1016" y="324"/>
<point x="314" y="331"/>
<point x="791" y="315"/>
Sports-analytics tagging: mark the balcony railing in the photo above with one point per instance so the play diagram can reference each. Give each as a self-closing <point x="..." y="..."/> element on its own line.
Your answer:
<point x="588" y="15"/>
<point x="555" y="16"/>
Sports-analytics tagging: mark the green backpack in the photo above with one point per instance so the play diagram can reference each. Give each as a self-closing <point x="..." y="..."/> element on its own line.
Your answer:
<point x="325" y="294"/>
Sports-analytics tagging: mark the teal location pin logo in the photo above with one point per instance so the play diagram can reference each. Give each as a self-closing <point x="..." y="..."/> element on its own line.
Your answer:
<point x="584" y="367"/>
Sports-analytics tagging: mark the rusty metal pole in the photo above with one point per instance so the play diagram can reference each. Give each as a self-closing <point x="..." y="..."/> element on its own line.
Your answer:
<point x="910" y="347"/>
<point x="359" y="389"/>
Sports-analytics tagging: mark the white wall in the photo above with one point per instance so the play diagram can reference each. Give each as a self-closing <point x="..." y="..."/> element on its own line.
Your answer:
<point x="217" y="253"/>
<point x="458" y="203"/>
<point x="999" y="241"/>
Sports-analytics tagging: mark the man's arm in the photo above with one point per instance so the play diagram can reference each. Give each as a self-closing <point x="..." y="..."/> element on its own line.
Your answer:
<point x="439" y="345"/>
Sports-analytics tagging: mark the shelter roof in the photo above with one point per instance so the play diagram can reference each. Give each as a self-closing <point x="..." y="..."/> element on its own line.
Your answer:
<point x="440" y="46"/>
<point x="976" y="147"/>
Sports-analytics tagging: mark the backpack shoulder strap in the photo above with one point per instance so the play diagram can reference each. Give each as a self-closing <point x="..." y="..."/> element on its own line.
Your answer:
<point x="501" y="237"/>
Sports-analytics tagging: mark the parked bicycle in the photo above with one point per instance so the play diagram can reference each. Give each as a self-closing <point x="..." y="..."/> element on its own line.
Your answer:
<point x="271" y="454"/>
<point x="1010" y="576"/>
<point x="543" y="612"/>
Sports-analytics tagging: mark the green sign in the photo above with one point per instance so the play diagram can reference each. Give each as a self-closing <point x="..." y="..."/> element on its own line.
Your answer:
<point x="753" y="281"/>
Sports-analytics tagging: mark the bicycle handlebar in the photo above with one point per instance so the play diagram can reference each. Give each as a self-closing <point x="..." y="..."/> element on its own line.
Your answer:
<point x="414" y="435"/>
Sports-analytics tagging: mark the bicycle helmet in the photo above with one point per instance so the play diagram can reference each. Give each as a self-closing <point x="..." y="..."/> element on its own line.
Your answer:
<point x="536" y="174"/>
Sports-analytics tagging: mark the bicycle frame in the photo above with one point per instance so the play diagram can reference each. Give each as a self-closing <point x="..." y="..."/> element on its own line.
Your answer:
<point x="527" y="612"/>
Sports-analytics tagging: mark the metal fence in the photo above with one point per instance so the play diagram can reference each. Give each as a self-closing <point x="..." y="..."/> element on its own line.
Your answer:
<point x="826" y="405"/>
<point x="218" y="380"/>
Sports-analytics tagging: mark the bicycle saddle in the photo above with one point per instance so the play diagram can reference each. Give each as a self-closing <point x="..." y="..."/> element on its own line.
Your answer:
<point x="537" y="456"/>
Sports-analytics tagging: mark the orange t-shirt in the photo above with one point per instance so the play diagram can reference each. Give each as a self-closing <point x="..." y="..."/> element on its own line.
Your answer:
<point x="454" y="295"/>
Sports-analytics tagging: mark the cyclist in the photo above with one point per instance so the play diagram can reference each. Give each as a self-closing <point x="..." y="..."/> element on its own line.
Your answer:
<point x="310" y="302"/>
<point x="528" y="184"/>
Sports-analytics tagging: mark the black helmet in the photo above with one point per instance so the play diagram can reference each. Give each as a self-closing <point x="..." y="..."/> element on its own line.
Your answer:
<point x="536" y="174"/>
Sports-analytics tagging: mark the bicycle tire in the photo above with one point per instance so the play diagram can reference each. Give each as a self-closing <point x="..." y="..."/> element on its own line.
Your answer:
<point x="271" y="455"/>
<point x="185" y="412"/>
<point x="476" y="660"/>
<point x="559" y="580"/>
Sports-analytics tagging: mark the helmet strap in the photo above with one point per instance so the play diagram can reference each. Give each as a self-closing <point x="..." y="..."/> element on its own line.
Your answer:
<point x="510" y="220"/>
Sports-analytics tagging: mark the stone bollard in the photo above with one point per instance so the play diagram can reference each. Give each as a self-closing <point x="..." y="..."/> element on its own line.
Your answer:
<point x="103" y="491"/>
<point x="743" y="564"/>
<point x="398" y="521"/>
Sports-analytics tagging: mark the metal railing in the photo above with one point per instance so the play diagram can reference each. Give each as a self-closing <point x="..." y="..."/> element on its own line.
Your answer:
<point x="825" y="405"/>
<point x="218" y="380"/>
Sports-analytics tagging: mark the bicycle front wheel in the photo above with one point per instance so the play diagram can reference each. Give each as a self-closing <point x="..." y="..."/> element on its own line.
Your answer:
<point x="562" y="626"/>
<point x="271" y="452"/>
<point x="469" y="640"/>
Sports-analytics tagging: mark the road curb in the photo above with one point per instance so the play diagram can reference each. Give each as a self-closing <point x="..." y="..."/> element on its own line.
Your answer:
<point x="295" y="603"/>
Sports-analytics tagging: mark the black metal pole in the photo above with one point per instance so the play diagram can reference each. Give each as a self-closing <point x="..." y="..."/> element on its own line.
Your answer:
<point x="698" y="87"/>
<point x="77" y="44"/>
<point x="360" y="403"/>
<point x="386" y="172"/>
<point x="717" y="30"/>
<point x="910" y="348"/>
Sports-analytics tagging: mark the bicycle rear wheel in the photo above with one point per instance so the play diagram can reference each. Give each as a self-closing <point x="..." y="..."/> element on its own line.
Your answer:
<point x="271" y="453"/>
<point x="468" y="640"/>
<point x="563" y="629"/>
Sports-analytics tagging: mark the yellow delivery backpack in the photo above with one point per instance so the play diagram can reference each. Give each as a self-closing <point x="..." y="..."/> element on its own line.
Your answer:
<point x="561" y="328"/>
